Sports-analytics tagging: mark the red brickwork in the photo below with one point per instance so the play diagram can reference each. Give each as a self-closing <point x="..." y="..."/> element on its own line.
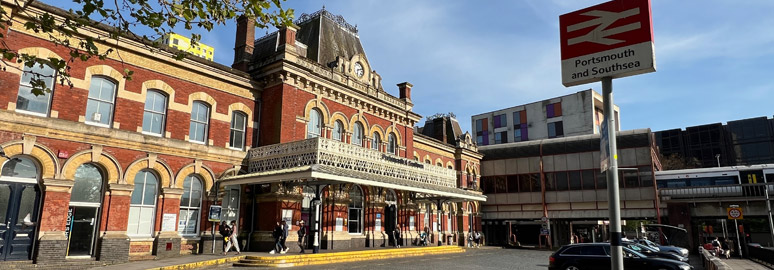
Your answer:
<point x="54" y="216"/>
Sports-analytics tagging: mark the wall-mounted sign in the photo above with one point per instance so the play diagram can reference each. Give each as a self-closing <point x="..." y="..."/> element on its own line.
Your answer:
<point x="168" y="222"/>
<point x="215" y="211"/>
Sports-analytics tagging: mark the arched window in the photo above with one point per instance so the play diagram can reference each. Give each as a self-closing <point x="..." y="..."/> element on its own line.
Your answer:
<point x="200" y="120"/>
<point x="237" y="136"/>
<point x="28" y="102"/>
<point x="143" y="204"/>
<point x="190" y="204"/>
<point x="155" y="113"/>
<point x="390" y="197"/>
<point x="357" y="134"/>
<point x="99" y="107"/>
<point x="376" y="140"/>
<point x="338" y="131"/>
<point x="88" y="185"/>
<point x="355" y="218"/>
<point x="20" y="169"/>
<point x="392" y="144"/>
<point x="314" y="127"/>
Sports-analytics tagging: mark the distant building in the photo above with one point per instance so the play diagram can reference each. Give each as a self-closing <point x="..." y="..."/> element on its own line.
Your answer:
<point x="741" y="142"/>
<point x="576" y="114"/>
<point x="184" y="44"/>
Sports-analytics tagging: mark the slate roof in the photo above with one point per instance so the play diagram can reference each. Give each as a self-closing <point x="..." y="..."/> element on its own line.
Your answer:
<point x="327" y="36"/>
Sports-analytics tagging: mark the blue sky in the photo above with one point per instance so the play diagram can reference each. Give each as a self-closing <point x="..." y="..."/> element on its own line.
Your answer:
<point x="714" y="58"/>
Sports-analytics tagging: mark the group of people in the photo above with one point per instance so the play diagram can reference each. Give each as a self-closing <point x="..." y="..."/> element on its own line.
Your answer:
<point x="228" y="231"/>
<point x="280" y="235"/>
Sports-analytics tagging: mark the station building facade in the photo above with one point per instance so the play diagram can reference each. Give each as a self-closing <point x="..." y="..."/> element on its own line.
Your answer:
<point x="120" y="170"/>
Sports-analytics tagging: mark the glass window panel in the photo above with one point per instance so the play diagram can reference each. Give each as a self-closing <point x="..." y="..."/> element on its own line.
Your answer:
<point x="96" y="87"/>
<point x="499" y="184"/>
<point x="524" y="183"/>
<point x="575" y="180"/>
<point x="27" y="101"/>
<point x="646" y="176"/>
<point x="550" y="181"/>
<point x="513" y="183"/>
<point x="588" y="179"/>
<point x="631" y="179"/>
<point x="27" y="206"/>
<point x="134" y="220"/>
<point x="88" y="184"/>
<point x="357" y="134"/>
<point x="376" y="141"/>
<point x="5" y="197"/>
<point x="338" y="129"/>
<point x="146" y="221"/>
<point x="561" y="181"/>
<point x="602" y="180"/>
<point x="107" y="90"/>
<point x="150" y="190"/>
<point x="20" y="167"/>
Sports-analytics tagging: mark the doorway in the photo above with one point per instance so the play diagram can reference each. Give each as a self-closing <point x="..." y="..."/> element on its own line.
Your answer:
<point x="18" y="212"/>
<point x="81" y="229"/>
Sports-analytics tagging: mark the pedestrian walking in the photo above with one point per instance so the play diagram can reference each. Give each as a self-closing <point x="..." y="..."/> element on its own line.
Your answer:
<point x="225" y="232"/>
<point x="284" y="237"/>
<point x="232" y="239"/>
<point x="277" y="234"/>
<point x="396" y="234"/>
<point x="477" y="238"/>
<point x="301" y="235"/>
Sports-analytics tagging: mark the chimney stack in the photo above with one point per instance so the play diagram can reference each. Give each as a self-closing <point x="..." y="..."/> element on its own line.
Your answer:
<point x="288" y="36"/>
<point x="405" y="90"/>
<point x="244" y="43"/>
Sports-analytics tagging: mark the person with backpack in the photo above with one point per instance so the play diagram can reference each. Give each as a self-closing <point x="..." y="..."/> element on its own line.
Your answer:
<point x="301" y="235"/>
<point x="477" y="238"/>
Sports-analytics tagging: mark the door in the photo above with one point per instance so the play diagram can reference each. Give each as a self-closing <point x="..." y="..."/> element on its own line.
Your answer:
<point x="389" y="222"/>
<point x="18" y="214"/>
<point x="82" y="228"/>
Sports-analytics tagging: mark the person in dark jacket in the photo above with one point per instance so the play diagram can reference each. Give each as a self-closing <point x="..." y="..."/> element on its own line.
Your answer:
<point x="301" y="235"/>
<point x="277" y="234"/>
<point x="284" y="237"/>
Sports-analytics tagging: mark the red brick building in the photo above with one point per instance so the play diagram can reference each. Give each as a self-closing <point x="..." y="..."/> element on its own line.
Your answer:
<point x="121" y="169"/>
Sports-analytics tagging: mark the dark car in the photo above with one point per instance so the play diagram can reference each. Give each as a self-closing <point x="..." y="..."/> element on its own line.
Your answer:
<point x="676" y="250"/>
<point x="596" y="256"/>
<point x="654" y="252"/>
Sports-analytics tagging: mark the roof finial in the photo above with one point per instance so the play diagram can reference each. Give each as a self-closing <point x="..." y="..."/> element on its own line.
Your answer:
<point x="323" y="7"/>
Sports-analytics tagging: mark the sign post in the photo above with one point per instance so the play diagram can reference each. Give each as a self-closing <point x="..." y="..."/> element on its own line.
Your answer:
<point x="735" y="213"/>
<point x="610" y="40"/>
<point x="214" y="217"/>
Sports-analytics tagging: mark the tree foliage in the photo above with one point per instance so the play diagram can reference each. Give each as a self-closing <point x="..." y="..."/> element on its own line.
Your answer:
<point x="677" y="162"/>
<point x="117" y="19"/>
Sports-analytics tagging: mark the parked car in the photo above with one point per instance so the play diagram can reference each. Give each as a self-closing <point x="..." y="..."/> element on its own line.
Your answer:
<point x="654" y="252"/>
<point x="596" y="256"/>
<point x="677" y="250"/>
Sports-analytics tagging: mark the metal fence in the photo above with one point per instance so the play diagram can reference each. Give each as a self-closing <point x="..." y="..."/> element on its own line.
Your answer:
<point x="761" y="254"/>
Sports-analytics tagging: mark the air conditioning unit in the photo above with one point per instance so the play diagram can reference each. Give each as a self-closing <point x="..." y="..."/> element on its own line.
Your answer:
<point x="96" y="117"/>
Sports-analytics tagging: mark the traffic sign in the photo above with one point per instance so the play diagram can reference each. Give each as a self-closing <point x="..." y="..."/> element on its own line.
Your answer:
<point x="545" y="231"/>
<point x="613" y="39"/>
<point x="735" y="213"/>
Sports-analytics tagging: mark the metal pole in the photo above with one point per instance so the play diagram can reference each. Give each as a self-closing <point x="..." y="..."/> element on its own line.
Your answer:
<point x="316" y="218"/>
<point x="738" y="240"/>
<point x="613" y="197"/>
<point x="768" y="207"/>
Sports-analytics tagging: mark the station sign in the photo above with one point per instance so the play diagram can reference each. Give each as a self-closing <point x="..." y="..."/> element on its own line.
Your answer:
<point x="612" y="39"/>
<point x="215" y="213"/>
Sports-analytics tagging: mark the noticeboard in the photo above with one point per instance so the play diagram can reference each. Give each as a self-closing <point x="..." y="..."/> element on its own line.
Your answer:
<point x="215" y="211"/>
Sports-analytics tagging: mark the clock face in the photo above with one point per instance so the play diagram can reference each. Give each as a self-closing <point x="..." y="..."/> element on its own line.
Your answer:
<point x="359" y="69"/>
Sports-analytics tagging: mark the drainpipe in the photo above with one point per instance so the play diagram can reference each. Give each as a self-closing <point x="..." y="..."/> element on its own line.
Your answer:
<point x="543" y="197"/>
<point x="252" y="219"/>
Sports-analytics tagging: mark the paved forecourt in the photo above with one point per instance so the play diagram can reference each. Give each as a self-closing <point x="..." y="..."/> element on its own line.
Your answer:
<point x="483" y="258"/>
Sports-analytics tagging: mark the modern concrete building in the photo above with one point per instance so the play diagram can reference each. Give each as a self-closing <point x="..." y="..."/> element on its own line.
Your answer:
<point x="580" y="113"/>
<point x="738" y="143"/>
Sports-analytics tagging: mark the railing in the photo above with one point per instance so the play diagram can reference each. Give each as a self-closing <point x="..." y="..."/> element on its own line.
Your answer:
<point x="761" y="255"/>
<point x="339" y="155"/>
<point x="711" y="262"/>
<point x="727" y="191"/>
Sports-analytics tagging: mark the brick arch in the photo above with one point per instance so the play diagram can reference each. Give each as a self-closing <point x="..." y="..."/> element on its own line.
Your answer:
<point x="204" y="173"/>
<point x="37" y="52"/>
<point x="49" y="164"/>
<point x="393" y="130"/>
<point x="108" y="163"/>
<point x="416" y="156"/>
<point x="242" y="108"/>
<point x="161" y="169"/>
<point x="206" y="98"/>
<point x="426" y="159"/>
<point x="377" y="129"/>
<point x="317" y="104"/>
<point x="450" y="164"/>
<point x="160" y="86"/>
<point x="340" y="117"/>
<point x="358" y="117"/>
<point x="106" y="71"/>
<point x="438" y="161"/>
